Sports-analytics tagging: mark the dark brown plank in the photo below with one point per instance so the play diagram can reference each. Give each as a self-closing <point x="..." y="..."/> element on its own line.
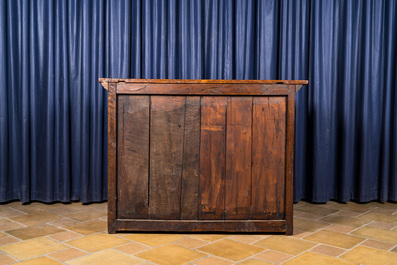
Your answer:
<point x="290" y="161"/>
<point x="191" y="160"/>
<point x="133" y="156"/>
<point x="238" y="158"/>
<point x="200" y="89"/>
<point x="202" y="226"/>
<point x="166" y="156"/>
<point x="212" y="157"/>
<point x="112" y="151"/>
<point x="268" y="158"/>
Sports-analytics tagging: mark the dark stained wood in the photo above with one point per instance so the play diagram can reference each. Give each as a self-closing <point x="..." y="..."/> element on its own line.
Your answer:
<point x="268" y="158"/>
<point x="104" y="81"/>
<point x="199" y="89"/>
<point x="189" y="226"/>
<point x="112" y="151"/>
<point x="166" y="156"/>
<point x="238" y="158"/>
<point x="219" y="155"/>
<point x="191" y="160"/>
<point x="289" y="195"/>
<point x="133" y="156"/>
<point x="212" y="158"/>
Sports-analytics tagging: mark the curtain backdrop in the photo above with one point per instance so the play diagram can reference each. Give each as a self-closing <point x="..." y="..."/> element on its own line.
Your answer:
<point x="53" y="112"/>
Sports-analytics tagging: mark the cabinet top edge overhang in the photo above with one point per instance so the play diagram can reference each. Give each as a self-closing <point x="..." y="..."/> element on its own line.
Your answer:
<point x="105" y="81"/>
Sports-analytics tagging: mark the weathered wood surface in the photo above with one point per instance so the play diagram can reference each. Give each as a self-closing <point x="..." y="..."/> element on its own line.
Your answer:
<point x="201" y="156"/>
<point x="238" y="158"/>
<point x="268" y="158"/>
<point x="212" y="157"/>
<point x="191" y="160"/>
<point x="133" y="156"/>
<point x="167" y="123"/>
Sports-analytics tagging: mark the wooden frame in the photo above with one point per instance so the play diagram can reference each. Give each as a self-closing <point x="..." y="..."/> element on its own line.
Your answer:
<point x="190" y="119"/>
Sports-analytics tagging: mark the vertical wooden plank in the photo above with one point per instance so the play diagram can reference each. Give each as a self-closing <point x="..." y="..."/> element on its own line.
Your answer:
<point x="212" y="157"/>
<point x="268" y="158"/>
<point x="133" y="157"/>
<point x="191" y="160"/>
<point x="290" y="159"/>
<point x="166" y="155"/>
<point x="112" y="151"/>
<point x="238" y="158"/>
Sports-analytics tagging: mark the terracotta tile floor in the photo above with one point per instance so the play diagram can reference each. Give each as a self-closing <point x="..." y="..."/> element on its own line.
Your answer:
<point x="331" y="233"/>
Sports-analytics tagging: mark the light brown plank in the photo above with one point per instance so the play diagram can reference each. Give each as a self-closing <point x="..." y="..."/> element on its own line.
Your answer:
<point x="191" y="160"/>
<point x="133" y="156"/>
<point x="268" y="158"/>
<point x="238" y="158"/>
<point x="166" y="156"/>
<point x="212" y="157"/>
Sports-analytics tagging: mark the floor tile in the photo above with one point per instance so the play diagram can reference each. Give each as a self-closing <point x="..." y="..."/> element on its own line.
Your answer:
<point x="170" y="255"/>
<point x="8" y="225"/>
<point x="231" y="250"/>
<point x="377" y="216"/>
<point x="377" y="244"/>
<point x="354" y="207"/>
<point x="334" y="239"/>
<point x="316" y="209"/>
<point x="371" y="256"/>
<point x="85" y="215"/>
<point x="285" y="244"/>
<point x="89" y="227"/>
<point x="340" y="228"/>
<point x="348" y="214"/>
<point x="308" y="225"/>
<point x="64" y="222"/>
<point x="4" y="259"/>
<point x="9" y="212"/>
<point x="97" y="242"/>
<point x="309" y="216"/>
<point x="310" y="258"/>
<point x="345" y="220"/>
<point x="209" y="237"/>
<point x="32" y="248"/>
<point x="132" y="248"/>
<point x="377" y="234"/>
<point x="34" y="231"/>
<point x="64" y="236"/>
<point x="8" y="240"/>
<point x="273" y="256"/>
<point x="394" y="250"/>
<point x="382" y="225"/>
<point x="35" y="218"/>
<point x="67" y="254"/>
<point x="40" y="261"/>
<point x="254" y="262"/>
<point x="155" y="240"/>
<point x="246" y="238"/>
<point x="328" y="250"/>
<point x="212" y="261"/>
<point x="191" y="243"/>
<point x="106" y="257"/>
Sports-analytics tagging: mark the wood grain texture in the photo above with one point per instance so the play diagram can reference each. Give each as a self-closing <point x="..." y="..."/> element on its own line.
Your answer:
<point x="290" y="161"/>
<point x="212" y="157"/>
<point x="268" y="158"/>
<point x="191" y="160"/>
<point x="189" y="226"/>
<point x="166" y="156"/>
<point x="238" y="158"/>
<point x="198" y="89"/>
<point x="133" y="156"/>
<point x="112" y="151"/>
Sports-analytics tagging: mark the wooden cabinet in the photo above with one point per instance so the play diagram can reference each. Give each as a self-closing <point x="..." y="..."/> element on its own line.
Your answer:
<point x="201" y="155"/>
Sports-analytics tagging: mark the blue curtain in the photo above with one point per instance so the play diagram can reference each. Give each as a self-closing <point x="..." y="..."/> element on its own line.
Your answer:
<point x="53" y="112"/>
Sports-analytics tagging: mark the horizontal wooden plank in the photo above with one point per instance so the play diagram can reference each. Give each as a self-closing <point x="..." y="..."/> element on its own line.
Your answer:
<point x="201" y="81"/>
<point x="189" y="226"/>
<point x="199" y="89"/>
